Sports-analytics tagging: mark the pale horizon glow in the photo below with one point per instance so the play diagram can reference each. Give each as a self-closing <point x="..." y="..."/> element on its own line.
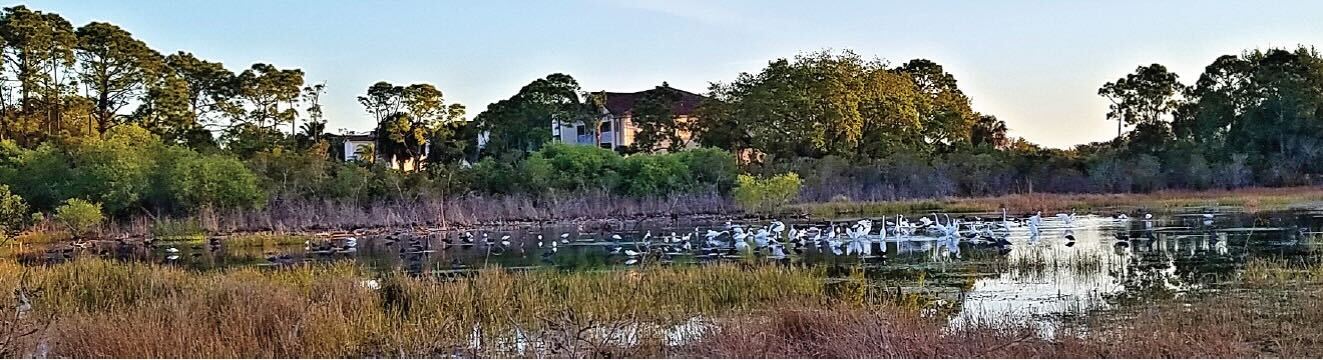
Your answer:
<point x="1037" y="65"/>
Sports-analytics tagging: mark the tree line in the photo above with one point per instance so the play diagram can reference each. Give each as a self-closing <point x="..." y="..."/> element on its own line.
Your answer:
<point x="95" y="114"/>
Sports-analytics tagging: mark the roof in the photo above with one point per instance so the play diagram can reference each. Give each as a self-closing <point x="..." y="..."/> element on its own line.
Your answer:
<point x="620" y="103"/>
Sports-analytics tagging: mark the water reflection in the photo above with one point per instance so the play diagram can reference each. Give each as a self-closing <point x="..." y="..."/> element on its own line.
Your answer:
<point x="1065" y="267"/>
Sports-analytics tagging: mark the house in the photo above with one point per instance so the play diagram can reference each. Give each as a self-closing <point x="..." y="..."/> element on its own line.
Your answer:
<point x="355" y="145"/>
<point x="351" y="146"/>
<point x="615" y="128"/>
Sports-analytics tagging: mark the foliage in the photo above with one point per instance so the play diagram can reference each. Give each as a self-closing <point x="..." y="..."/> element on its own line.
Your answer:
<point x="80" y="216"/>
<point x="523" y="122"/>
<point x="201" y="181"/>
<point x="14" y="213"/>
<point x="654" y="115"/>
<point x="767" y="194"/>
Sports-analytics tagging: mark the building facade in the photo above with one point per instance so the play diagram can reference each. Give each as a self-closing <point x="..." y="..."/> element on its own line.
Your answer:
<point x="615" y="127"/>
<point x="353" y="146"/>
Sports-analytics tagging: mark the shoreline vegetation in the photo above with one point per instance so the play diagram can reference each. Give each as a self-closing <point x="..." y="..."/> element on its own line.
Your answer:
<point x="605" y="210"/>
<point x="177" y="145"/>
<point x="100" y="308"/>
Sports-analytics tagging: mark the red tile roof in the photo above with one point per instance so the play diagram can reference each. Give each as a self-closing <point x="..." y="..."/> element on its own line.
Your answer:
<point x="623" y="103"/>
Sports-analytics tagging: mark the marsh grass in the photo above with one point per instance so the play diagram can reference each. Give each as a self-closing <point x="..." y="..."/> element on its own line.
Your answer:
<point x="177" y="229"/>
<point x="115" y="309"/>
<point x="1251" y="199"/>
<point x="104" y="308"/>
<point x="1276" y="273"/>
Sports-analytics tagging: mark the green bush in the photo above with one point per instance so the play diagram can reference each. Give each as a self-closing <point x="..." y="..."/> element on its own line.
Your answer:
<point x="115" y="171"/>
<point x="655" y="175"/>
<point x="14" y="213"/>
<point x="757" y="195"/>
<point x="80" y="216"/>
<point x="571" y="168"/>
<point x="711" y="166"/>
<point x="213" y="181"/>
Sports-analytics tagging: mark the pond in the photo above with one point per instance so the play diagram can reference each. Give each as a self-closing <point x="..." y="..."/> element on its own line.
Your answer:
<point x="1066" y="267"/>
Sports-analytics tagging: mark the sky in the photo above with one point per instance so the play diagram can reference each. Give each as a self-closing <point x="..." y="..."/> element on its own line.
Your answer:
<point x="1037" y="65"/>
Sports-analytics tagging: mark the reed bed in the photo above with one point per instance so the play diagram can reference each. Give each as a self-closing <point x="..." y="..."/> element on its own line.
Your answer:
<point x="312" y="215"/>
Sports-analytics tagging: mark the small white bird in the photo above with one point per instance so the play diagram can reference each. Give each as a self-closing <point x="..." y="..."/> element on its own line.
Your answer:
<point x="371" y="284"/>
<point x="171" y="250"/>
<point x="632" y="253"/>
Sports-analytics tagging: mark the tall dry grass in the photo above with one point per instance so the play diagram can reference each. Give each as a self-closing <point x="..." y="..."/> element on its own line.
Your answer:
<point x="470" y="210"/>
<point x="112" y="309"/>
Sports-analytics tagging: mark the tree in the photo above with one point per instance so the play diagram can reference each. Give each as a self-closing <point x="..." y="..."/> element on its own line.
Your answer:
<point x="38" y="48"/>
<point x="654" y="114"/>
<point x="409" y="118"/>
<point x="314" y="128"/>
<point x="270" y="93"/>
<point x="522" y="123"/>
<point x="946" y="114"/>
<point x="989" y="131"/>
<point x="114" y="68"/>
<point x="382" y="100"/>
<point x="211" y="89"/>
<point x="1147" y="95"/>
<point x="822" y="104"/>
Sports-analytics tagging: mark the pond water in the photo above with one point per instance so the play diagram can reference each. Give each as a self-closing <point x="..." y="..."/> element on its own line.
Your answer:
<point x="1035" y="277"/>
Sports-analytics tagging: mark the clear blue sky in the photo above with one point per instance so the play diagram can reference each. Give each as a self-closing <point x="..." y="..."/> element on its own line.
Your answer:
<point x="1035" y="64"/>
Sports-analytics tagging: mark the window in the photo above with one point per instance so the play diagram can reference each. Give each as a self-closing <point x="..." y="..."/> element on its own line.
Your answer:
<point x="606" y="126"/>
<point x="579" y="129"/>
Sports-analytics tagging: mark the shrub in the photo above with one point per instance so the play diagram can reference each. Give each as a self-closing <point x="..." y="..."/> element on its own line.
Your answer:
<point x="14" y="213"/>
<point x="80" y="216"/>
<point x="766" y="194"/>
<point x="571" y="168"/>
<point x="711" y="166"/>
<point x="116" y="171"/>
<point x="213" y="181"/>
<point x="655" y="175"/>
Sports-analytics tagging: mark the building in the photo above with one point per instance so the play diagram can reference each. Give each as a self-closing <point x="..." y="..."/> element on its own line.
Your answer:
<point x="614" y="128"/>
<point x="351" y="146"/>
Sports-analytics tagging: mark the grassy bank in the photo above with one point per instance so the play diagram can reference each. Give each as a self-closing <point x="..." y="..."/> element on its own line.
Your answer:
<point x="95" y="308"/>
<point x="111" y="309"/>
<point x="1249" y="199"/>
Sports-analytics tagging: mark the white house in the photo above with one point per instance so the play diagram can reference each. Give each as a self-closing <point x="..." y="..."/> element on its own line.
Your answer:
<point x="615" y="127"/>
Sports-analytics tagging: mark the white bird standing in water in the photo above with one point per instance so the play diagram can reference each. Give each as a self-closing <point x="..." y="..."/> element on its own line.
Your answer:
<point x="777" y="227"/>
<point x="1035" y="222"/>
